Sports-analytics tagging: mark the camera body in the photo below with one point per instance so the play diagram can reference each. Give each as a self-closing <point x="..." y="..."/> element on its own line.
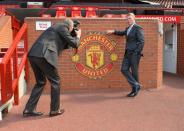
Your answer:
<point x="73" y="33"/>
<point x="75" y="28"/>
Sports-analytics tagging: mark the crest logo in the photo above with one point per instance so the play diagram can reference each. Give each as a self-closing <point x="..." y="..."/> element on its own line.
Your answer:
<point x="95" y="56"/>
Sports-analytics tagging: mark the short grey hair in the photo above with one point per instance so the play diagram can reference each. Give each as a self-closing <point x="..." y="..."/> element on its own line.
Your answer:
<point x="68" y="22"/>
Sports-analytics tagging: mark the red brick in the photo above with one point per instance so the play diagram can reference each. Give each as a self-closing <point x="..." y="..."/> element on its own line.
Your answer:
<point x="150" y="66"/>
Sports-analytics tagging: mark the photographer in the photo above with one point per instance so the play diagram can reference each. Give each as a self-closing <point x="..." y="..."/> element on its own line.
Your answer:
<point x="43" y="57"/>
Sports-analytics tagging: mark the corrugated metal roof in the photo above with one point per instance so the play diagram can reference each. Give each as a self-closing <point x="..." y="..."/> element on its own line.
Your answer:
<point x="166" y="3"/>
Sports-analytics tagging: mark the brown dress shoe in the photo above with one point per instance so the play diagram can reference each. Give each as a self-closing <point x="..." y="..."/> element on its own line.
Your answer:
<point x="56" y="113"/>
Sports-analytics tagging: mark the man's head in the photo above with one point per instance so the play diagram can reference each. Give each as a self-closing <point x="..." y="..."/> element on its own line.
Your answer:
<point x="130" y="18"/>
<point x="69" y="23"/>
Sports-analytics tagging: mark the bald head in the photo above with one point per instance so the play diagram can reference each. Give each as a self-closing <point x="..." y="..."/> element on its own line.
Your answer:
<point x="69" y="23"/>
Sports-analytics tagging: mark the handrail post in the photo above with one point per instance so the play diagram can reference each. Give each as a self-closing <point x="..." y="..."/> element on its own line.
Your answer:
<point x="8" y="80"/>
<point x="26" y="51"/>
<point x="15" y="67"/>
<point x="3" y="84"/>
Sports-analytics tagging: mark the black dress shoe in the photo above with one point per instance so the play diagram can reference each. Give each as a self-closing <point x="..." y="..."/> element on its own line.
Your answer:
<point x="131" y="94"/>
<point x="27" y="113"/>
<point x="134" y="92"/>
<point x="137" y="90"/>
<point x="56" y="113"/>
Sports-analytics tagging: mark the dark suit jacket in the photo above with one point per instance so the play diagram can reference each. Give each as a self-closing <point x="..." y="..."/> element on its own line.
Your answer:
<point x="51" y="42"/>
<point x="135" y="38"/>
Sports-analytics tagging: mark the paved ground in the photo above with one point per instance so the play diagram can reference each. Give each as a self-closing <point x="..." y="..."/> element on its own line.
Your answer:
<point x="107" y="110"/>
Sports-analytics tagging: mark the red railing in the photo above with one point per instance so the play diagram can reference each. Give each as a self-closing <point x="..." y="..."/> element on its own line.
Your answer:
<point x="15" y="26"/>
<point x="12" y="65"/>
<point x="15" y="23"/>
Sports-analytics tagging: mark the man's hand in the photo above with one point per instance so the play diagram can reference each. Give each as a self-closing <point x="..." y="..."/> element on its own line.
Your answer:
<point x="109" y="32"/>
<point x="78" y="33"/>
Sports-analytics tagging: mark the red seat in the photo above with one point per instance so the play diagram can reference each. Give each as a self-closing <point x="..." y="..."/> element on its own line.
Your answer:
<point x="60" y="12"/>
<point x="76" y="12"/>
<point x="90" y="12"/>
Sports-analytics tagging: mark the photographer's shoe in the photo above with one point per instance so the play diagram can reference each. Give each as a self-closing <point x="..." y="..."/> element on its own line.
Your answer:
<point x="27" y="113"/>
<point x="56" y="113"/>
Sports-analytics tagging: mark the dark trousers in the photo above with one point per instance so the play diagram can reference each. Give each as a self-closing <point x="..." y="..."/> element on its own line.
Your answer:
<point x="42" y="70"/>
<point x="129" y="68"/>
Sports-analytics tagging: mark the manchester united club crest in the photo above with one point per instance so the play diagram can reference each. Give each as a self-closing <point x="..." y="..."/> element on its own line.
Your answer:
<point x="95" y="55"/>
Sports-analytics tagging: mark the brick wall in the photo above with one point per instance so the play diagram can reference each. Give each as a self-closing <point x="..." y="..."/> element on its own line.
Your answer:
<point x="150" y="65"/>
<point x="180" y="48"/>
<point x="5" y="31"/>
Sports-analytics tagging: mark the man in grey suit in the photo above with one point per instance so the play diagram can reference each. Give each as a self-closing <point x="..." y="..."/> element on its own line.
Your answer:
<point x="43" y="57"/>
<point x="133" y="52"/>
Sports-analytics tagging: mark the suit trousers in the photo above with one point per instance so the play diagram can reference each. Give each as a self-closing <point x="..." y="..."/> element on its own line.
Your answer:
<point x="130" y="67"/>
<point x="42" y="70"/>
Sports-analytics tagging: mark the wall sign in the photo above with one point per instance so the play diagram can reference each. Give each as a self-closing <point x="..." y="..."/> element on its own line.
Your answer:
<point x="34" y="4"/>
<point x="162" y="18"/>
<point x="42" y="25"/>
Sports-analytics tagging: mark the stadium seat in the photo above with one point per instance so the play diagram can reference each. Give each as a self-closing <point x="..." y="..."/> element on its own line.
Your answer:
<point x="60" y="12"/>
<point x="91" y="12"/>
<point x="76" y="12"/>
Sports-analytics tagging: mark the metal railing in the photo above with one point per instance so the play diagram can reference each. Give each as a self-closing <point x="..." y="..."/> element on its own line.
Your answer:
<point x="15" y="23"/>
<point x="12" y="66"/>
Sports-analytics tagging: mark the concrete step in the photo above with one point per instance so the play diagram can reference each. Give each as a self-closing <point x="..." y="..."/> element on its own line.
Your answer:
<point x="5" y="108"/>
